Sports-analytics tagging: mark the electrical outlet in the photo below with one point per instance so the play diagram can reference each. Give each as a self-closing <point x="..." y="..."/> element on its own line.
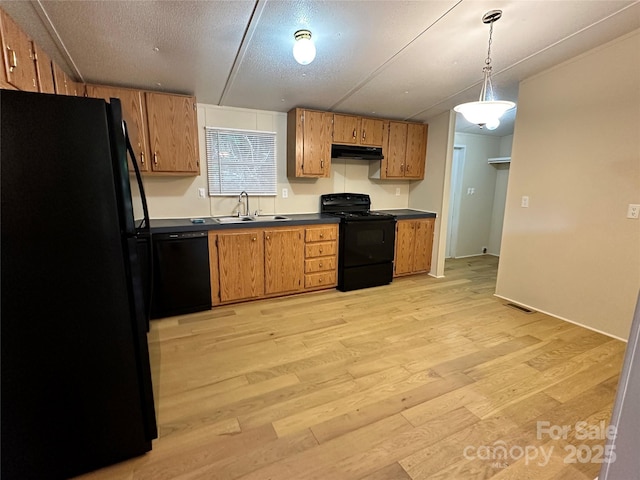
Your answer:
<point x="397" y="191"/>
<point x="201" y="192"/>
<point x="633" y="211"/>
<point x="524" y="203"/>
<point x="285" y="193"/>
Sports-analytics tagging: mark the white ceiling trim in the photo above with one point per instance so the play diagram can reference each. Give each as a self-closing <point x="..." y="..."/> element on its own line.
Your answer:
<point x="252" y="25"/>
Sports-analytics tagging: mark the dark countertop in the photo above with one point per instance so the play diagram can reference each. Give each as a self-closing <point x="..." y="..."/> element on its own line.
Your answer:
<point x="175" y="225"/>
<point x="408" y="213"/>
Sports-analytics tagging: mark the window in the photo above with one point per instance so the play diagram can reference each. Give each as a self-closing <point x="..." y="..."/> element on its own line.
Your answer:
<point x="240" y="160"/>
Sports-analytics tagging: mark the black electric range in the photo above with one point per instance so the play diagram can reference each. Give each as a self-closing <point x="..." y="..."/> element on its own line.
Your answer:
<point x="366" y="240"/>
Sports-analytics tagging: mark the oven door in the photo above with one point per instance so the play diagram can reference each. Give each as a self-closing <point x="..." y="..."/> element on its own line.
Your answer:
<point x="366" y="242"/>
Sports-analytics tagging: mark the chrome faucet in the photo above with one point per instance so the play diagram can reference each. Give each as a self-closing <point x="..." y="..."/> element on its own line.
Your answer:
<point x="246" y="204"/>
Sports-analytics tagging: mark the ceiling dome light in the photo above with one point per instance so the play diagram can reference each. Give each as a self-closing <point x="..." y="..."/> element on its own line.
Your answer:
<point x="304" y="51"/>
<point x="486" y="111"/>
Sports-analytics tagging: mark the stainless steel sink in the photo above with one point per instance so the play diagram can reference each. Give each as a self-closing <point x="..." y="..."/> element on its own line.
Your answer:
<point x="248" y="218"/>
<point x="225" y="220"/>
<point x="271" y="218"/>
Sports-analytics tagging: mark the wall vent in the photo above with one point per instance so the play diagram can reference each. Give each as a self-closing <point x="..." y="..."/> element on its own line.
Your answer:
<point x="520" y="307"/>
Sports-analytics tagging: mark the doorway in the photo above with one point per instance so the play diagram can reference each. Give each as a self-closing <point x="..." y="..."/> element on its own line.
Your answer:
<point x="457" y="168"/>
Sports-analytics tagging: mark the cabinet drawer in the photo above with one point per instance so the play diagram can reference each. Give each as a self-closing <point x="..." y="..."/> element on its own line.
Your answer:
<point x="320" y="249"/>
<point x="321" y="234"/>
<point x="321" y="264"/>
<point x="320" y="279"/>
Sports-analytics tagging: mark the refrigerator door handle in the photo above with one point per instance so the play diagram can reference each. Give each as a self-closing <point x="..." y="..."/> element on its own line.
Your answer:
<point x="136" y="168"/>
<point x="145" y="226"/>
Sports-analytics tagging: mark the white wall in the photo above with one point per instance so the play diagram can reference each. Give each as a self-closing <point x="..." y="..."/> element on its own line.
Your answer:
<point x="177" y="197"/>
<point x="576" y="154"/>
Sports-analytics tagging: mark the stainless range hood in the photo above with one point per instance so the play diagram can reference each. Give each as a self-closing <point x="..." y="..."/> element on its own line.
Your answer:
<point x="356" y="152"/>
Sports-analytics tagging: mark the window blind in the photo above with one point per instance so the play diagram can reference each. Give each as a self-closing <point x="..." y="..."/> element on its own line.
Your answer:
<point x="240" y="160"/>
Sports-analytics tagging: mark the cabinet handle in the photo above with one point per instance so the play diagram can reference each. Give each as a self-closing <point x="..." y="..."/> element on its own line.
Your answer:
<point x="254" y="239"/>
<point x="402" y="167"/>
<point x="354" y="133"/>
<point x="268" y="237"/>
<point x="408" y="168"/>
<point x="320" y="264"/>
<point x="364" y="135"/>
<point x="155" y="158"/>
<point x="142" y="158"/>
<point x="321" y="235"/>
<point x="320" y="250"/>
<point x="321" y="163"/>
<point x="13" y="59"/>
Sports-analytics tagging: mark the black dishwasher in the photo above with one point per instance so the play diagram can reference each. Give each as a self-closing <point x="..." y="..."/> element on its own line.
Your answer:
<point x="181" y="276"/>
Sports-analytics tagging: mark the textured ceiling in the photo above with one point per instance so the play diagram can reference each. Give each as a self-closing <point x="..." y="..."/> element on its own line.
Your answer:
<point x="396" y="59"/>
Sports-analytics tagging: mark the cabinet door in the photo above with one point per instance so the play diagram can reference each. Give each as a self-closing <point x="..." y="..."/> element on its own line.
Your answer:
<point x="44" y="71"/>
<point x="396" y="152"/>
<point x="173" y="138"/>
<point x="371" y="132"/>
<point x="405" y="235"/>
<point x="316" y="135"/>
<point x="423" y="245"/>
<point x="346" y="128"/>
<point x="284" y="260"/>
<point x="19" y="60"/>
<point x="133" y="109"/>
<point x="241" y="265"/>
<point x="60" y="80"/>
<point x="416" y="150"/>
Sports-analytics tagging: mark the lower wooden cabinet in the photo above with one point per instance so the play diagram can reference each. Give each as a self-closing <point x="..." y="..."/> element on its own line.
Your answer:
<point x="283" y="260"/>
<point x="414" y="242"/>
<point x="252" y="263"/>
<point x="321" y="256"/>
<point x="240" y="265"/>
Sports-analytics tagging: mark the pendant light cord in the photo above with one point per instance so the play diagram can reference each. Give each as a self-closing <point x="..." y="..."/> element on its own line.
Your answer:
<point x="486" y="92"/>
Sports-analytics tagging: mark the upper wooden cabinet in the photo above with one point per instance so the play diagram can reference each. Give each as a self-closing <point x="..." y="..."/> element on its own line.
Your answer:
<point x="65" y="85"/>
<point x="308" y="143"/>
<point x="352" y="129"/>
<point x="134" y="114"/>
<point x="44" y="70"/>
<point x="173" y="136"/>
<point x="18" y="56"/>
<point x="405" y="153"/>
<point x="162" y="128"/>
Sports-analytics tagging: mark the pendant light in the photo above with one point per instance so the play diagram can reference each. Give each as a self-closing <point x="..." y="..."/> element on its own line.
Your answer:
<point x="487" y="110"/>
<point x="304" y="51"/>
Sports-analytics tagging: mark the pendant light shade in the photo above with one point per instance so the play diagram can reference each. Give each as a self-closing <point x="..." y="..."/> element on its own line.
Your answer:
<point x="487" y="110"/>
<point x="304" y="51"/>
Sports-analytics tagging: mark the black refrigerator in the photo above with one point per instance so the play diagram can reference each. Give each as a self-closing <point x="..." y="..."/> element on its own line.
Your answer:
<point x="76" y="391"/>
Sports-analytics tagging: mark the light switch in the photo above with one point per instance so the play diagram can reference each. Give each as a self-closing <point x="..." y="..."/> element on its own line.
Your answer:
<point x="201" y="192"/>
<point x="524" y="203"/>
<point x="397" y="191"/>
<point x="633" y="211"/>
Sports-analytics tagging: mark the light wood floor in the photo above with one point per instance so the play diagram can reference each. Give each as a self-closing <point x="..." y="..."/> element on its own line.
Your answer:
<point x="421" y="379"/>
